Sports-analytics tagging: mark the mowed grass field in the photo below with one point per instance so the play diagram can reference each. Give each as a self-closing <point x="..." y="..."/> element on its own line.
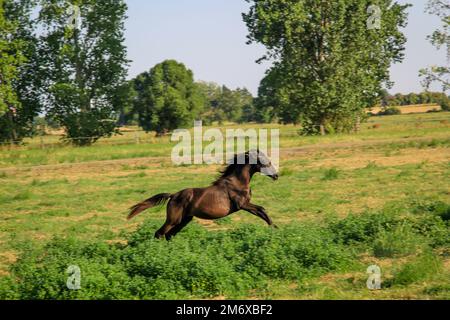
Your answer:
<point x="343" y="203"/>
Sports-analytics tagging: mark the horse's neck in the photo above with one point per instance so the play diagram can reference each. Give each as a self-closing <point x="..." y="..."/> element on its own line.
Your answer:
<point x="244" y="177"/>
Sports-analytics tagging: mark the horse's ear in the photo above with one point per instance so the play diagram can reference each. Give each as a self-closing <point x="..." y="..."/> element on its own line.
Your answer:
<point x="253" y="157"/>
<point x="240" y="158"/>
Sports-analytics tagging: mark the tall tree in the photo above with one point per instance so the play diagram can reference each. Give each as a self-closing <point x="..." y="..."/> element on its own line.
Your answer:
<point x="273" y="101"/>
<point x="85" y="65"/>
<point x="244" y="100"/>
<point x="224" y="104"/>
<point x="331" y="58"/>
<point x="12" y="58"/>
<point x="125" y="98"/>
<point x="440" y="39"/>
<point x="167" y="97"/>
<point x="212" y="93"/>
<point x="230" y="104"/>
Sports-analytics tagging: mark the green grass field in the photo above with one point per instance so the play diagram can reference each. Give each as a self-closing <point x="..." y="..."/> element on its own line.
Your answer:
<point x="343" y="203"/>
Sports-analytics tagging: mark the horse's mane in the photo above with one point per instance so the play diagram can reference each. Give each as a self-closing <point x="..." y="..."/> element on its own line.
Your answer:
<point x="232" y="167"/>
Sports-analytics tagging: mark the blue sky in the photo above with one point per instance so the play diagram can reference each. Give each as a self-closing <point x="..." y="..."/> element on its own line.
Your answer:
<point x="209" y="36"/>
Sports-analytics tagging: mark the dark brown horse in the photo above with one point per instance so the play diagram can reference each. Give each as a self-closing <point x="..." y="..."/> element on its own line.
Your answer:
<point x="228" y="194"/>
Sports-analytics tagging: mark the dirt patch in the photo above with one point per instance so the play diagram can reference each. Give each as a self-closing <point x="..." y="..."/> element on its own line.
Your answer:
<point x="334" y="277"/>
<point x="88" y="168"/>
<point x="9" y="257"/>
<point x="356" y="160"/>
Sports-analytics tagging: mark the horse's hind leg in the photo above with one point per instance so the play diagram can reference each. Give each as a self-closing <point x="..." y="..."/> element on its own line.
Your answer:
<point x="174" y="217"/>
<point x="163" y="230"/>
<point x="172" y="232"/>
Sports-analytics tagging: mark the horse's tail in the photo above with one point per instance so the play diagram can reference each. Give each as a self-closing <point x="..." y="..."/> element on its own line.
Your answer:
<point x="151" y="202"/>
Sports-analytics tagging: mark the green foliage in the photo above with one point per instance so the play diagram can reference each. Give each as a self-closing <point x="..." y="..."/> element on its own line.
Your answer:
<point x="233" y="263"/>
<point x="391" y="111"/>
<point x="85" y="128"/>
<point x="11" y="58"/>
<point x="433" y="228"/>
<point x="125" y="99"/>
<point x="439" y="208"/>
<point x="331" y="174"/>
<point x="273" y="99"/>
<point x="363" y="227"/>
<point x="388" y="234"/>
<point x="167" y="98"/>
<point x="401" y="240"/>
<point x="224" y="104"/>
<point x="229" y="105"/>
<point x="423" y="267"/>
<point x="438" y="289"/>
<point x="426" y="97"/>
<point x="329" y="66"/>
<point x="84" y="67"/>
<point x="197" y="263"/>
<point x="19" y="75"/>
<point x="439" y="39"/>
<point x="431" y="220"/>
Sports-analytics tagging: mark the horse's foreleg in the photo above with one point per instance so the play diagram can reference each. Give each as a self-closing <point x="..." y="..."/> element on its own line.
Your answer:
<point x="258" y="211"/>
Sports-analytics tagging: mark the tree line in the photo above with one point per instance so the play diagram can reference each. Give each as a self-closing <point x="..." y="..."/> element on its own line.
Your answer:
<point x="69" y="65"/>
<point x="67" y="62"/>
<point x="167" y="97"/>
<point x="412" y="98"/>
<point x="330" y="61"/>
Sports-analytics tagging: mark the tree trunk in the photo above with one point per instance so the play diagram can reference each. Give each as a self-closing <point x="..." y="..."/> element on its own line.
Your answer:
<point x="322" y="130"/>
<point x="358" y="124"/>
<point x="13" y="132"/>
<point x="85" y="103"/>
<point x="322" y="125"/>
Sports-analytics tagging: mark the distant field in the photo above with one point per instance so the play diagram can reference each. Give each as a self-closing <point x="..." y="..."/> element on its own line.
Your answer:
<point x="414" y="108"/>
<point x="343" y="202"/>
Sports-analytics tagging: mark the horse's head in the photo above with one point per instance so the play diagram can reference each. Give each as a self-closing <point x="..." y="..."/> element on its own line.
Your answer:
<point x="262" y="163"/>
<point x="257" y="160"/>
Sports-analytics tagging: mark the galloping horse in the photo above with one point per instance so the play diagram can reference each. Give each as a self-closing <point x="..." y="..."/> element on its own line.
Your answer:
<point x="228" y="194"/>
